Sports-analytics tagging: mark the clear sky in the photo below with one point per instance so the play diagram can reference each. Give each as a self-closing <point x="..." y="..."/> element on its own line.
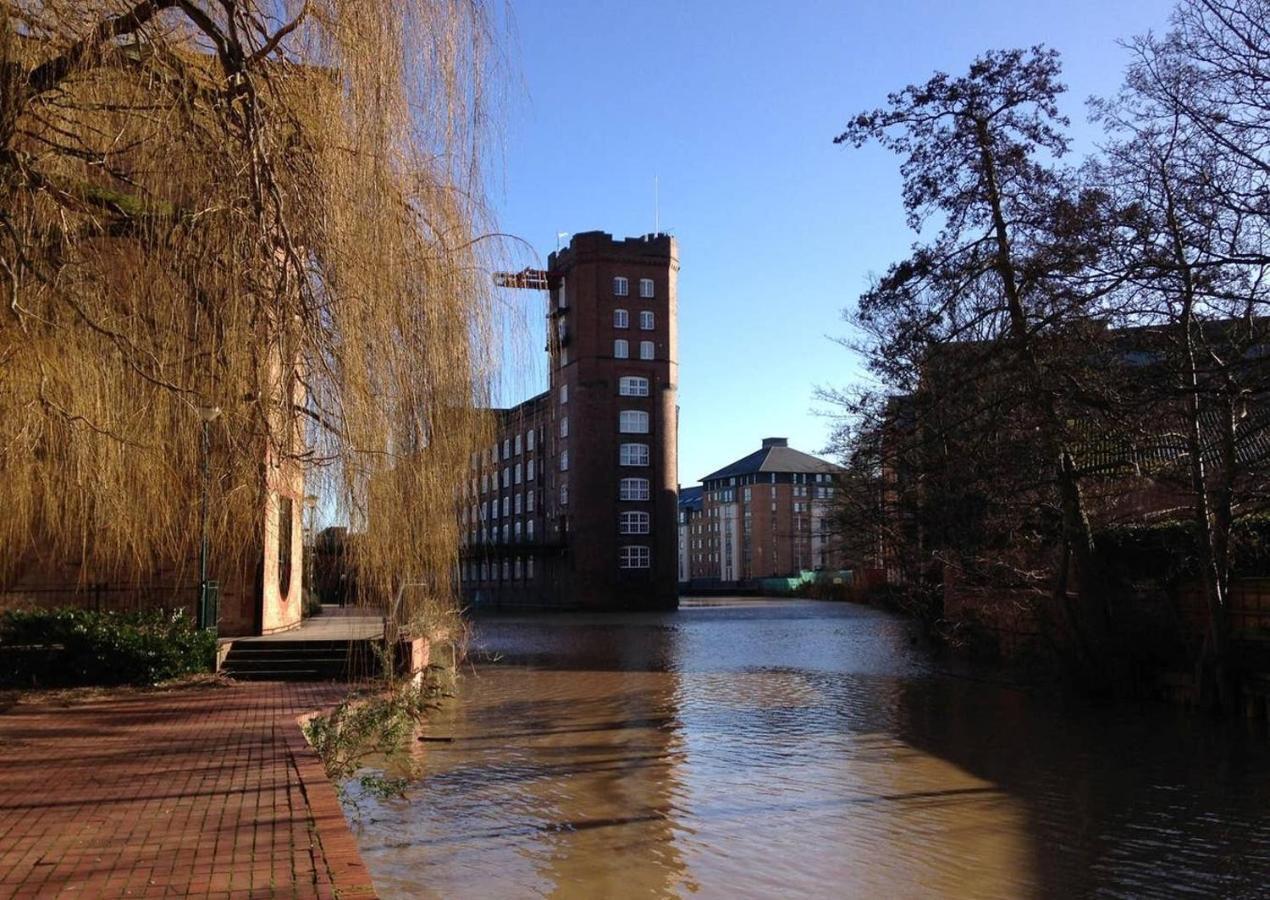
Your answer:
<point x="733" y="106"/>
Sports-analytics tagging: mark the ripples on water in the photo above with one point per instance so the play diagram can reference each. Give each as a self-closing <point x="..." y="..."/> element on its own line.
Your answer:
<point x="762" y="749"/>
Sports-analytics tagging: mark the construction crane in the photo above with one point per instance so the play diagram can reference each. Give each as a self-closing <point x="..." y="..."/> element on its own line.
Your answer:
<point x="526" y="279"/>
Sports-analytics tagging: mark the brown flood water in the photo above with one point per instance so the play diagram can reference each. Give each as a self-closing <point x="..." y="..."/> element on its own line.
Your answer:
<point x="801" y="749"/>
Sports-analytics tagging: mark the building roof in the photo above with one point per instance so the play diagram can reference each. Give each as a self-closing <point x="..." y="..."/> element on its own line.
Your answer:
<point x="690" y="497"/>
<point x="774" y="456"/>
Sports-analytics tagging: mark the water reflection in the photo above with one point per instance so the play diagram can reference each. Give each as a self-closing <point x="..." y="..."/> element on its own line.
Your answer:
<point x="802" y="749"/>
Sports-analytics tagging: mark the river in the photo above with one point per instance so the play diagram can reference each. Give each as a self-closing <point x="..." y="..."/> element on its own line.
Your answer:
<point x="802" y="749"/>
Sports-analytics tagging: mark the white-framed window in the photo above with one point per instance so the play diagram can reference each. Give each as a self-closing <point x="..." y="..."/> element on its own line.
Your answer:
<point x="507" y="448"/>
<point x="519" y="470"/>
<point x="564" y="460"/>
<point x="564" y="394"/>
<point x="529" y="529"/>
<point x="634" y="556"/>
<point x="633" y="421"/>
<point x="507" y="507"/>
<point x="507" y="477"/>
<point x="529" y="439"/>
<point x="621" y="349"/>
<point x="634" y="455"/>
<point x="633" y="522"/>
<point x="645" y="349"/>
<point x="493" y="508"/>
<point x="516" y="531"/>
<point x="529" y="470"/>
<point x="529" y="501"/>
<point x="633" y="489"/>
<point x="517" y="446"/>
<point x="646" y="320"/>
<point x="621" y="287"/>
<point x="504" y="532"/>
<point x="646" y="287"/>
<point x="621" y="318"/>
<point x="564" y="426"/>
<point x="632" y="386"/>
<point x="518" y="503"/>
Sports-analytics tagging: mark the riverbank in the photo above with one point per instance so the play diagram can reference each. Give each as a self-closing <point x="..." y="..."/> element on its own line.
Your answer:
<point x="207" y="790"/>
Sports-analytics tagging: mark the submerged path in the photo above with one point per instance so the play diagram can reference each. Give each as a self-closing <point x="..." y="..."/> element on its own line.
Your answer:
<point x="204" y="791"/>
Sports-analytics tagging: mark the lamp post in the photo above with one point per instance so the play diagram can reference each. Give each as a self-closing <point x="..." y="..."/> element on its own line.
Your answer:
<point x="207" y="590"/>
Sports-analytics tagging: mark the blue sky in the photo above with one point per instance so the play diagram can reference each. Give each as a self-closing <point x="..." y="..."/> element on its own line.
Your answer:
<point x="733" y="106"/>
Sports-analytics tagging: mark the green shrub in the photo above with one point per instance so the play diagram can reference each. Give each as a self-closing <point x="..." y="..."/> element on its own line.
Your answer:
<point x="77" y="646"/>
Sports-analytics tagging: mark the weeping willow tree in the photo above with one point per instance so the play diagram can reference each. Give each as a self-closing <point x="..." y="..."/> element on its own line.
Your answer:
<point x="272" y="209"/>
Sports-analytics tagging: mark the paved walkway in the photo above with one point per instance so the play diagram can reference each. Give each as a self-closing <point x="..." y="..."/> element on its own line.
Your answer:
<point x="207" y="792"/>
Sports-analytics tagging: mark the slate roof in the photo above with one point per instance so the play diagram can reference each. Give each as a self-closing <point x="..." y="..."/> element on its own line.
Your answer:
<point x="690" y="497"/>
<point x="774" y="459"/>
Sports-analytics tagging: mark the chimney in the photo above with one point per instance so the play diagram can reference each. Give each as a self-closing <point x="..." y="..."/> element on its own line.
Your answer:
<point x="775" y="442"/>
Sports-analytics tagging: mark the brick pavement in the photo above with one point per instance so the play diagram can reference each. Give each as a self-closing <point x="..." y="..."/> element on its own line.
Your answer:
<point x="207" y="792"/>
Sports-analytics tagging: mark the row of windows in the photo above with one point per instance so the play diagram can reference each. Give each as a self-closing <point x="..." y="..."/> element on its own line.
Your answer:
<point x="622" y="319"/>
<point x="622" y="287"/>
<point x="511" y="475"/>
<point x="517" y="445"/>
<point x="510" y="506"/>
<point x="622" y="349"/>
<point x="488" y="571"/>
<point x="493" y="534"/>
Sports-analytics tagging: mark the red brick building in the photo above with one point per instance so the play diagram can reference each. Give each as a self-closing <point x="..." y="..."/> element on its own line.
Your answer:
<point x="766" y="515"/>
<point x="575" y="504"/>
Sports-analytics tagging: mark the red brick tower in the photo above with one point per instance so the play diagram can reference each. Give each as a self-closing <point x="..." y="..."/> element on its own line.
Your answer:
<point x="614" y="374"/>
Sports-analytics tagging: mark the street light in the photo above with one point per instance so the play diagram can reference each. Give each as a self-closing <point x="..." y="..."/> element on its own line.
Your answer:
<point x="207" y="590"/>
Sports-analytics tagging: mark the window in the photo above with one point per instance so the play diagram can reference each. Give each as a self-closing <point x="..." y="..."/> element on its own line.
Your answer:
<point x="564" y="426"/>
<point x="529" y="501"/>
<point x="504" y="532"/>
<point x="507" y="507"/>
<point x="646" y="287"/>
<point x="633" y="421"/>
<point x="634" y="557"/>
<point x="564" y="394"/>
<point x="484" y="482"/>
<point x="493" y="509"/>
<point x="529" y="469"/>
<point x="529" y="563"/>
<point x="516" y="568"/>
<point x="516" y="531"/>
<point x="529" y="528"/>
<point x="506" y="569"/>
<point x="529" y="439"/>
<point x="621" y="350"/>
<point x="633" y="489"/>
<point x="562" y="299"/>
<point x="634" y="455"/>
<point x="518" y="445"/>
<point x="632" y="386"/>
<point x="646" y="320"/>
<point x="507" y="448"/>
<point x="507" y="476"/>
<point x="620" y="286"/>
<point x="564" y="460"/>
<point x="564" y="493"/>
<point x="519" y="469"/>
<point x="645" y="349"/>
<point x="518" y="503"/>
<point x="621" y="318"/>
<point x="633" y="523"/>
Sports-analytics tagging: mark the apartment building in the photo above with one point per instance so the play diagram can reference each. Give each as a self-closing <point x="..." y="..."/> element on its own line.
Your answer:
<point x="764" y="515"/>
<point x="574" y="506"/>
